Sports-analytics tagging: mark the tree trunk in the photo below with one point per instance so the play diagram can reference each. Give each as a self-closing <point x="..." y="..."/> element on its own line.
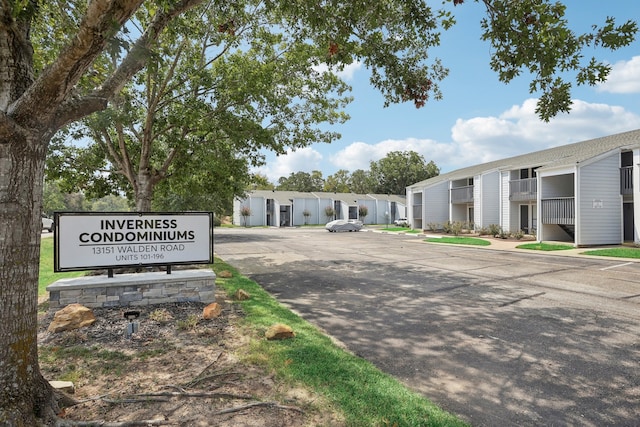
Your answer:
<point x="144" y="191"/>
<point x="25" y="396"/>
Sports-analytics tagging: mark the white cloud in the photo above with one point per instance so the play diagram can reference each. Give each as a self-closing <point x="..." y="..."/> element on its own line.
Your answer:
<point x="346" y="73"/>
<point x="303" y="160"/>
<point x="359" y="155"/>
<point x="624" y="77"/>
<point x="482" y="139"/>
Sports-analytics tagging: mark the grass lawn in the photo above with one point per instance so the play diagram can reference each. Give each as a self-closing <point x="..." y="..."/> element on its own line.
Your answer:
<point x="615" y="252"/>
<point x="459" y="241"/>
<point x="545" y="246"/>
<point x="47" y="276"/>
<point x="405" y="229"/>
<point x="365" y="395"/>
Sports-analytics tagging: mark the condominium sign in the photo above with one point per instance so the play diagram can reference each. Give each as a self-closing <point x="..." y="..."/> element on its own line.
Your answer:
<point x="88" y="241"/>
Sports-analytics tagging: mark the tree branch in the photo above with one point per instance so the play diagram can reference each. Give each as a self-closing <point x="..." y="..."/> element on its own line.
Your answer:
<point x="58" y="80"/>
<point x="137" y="57"/>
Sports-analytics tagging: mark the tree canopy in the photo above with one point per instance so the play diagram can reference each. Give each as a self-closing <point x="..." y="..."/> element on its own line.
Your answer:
<point x="400" y="169"/>
<point x="61" y="62"/>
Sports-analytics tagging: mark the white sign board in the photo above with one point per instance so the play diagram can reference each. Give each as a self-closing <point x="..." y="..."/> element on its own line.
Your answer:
<point x="87" y="241"/>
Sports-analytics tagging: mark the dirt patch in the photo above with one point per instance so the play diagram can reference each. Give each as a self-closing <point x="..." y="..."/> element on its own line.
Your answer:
<point x="177" y="369"/>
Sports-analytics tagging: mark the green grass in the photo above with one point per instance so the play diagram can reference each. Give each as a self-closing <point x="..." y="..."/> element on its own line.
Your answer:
<point x="365" y="395"/>
<point x="405" y="229"/>
<point x="459" y="241"/>
<point x="47" y="276"/>
<point x="615" y="252"/>
<point x="545" y="246"/>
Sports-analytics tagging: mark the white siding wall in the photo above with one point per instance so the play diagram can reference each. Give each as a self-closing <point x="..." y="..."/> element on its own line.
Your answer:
<point x="435" y="203"/>
<point x="258" y="207"/>
<point x="490" y="199"/>
<point x="600" y="203"/>
<point x="308" y="204"/>
<point x="477" y="202"/>
<point x="505" y="205"/>
<point x="323" y="203"/>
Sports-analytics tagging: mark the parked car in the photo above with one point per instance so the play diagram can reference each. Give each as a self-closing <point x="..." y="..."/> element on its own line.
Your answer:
<point x="343" y="225"/>
<point x="401" y="222"/>
<point x="47" y="224"/>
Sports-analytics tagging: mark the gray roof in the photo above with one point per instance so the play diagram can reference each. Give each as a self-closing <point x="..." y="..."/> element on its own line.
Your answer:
<point x="562" y="156"/>
<point x="284" y="197"/>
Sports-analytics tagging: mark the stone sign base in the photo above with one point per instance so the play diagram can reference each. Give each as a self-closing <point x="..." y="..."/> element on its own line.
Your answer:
<point x="137" y="289"/>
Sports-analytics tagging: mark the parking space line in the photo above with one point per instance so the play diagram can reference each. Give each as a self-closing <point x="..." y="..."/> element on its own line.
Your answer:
<point x="615" y="266"/>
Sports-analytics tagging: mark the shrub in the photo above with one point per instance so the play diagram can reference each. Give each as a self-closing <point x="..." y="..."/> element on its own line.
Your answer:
<point x="456" y="227"/>
<point x="494" y="230"/>
<point x="432" y="226"/>
<point x="363" y="211"/>
<point x="245" y="212"/>
<point x="446" y="227"/>
<point x="329" y="212"/>
<point x="503" y="234"/>
<point x="518" y="234"/>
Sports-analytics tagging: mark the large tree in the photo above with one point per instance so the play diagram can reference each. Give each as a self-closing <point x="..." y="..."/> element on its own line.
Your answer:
<point x="220" y="78"/>
<point x="338" y="182"/>
<point x="399" y="169"/>
<point x="86" y="62"/>
<point x="301" y="181"/>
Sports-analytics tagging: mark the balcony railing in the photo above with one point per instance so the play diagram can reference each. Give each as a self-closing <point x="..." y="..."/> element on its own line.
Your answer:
<point x="523" y="189"/>
<point x="559" y="210"/>
<point x="626" y="180"/>
<point x="462" y="194"/>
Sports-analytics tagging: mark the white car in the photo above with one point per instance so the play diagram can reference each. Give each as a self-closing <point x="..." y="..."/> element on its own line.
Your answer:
<point x="343" y="225"/>
<point x="401" y="222"/>
<point x="47" y="224"/>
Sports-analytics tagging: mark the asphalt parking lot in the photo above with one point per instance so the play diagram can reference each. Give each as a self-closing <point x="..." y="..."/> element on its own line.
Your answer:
<point x="497" y="337"/>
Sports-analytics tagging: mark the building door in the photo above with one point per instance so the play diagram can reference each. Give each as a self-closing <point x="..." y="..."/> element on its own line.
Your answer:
<point x="470" y="213"/>
<point x="524" y="218"/>
<point x="627" y="212"/>
<point x="353" y="212"/>
<point x="285" y="216"/>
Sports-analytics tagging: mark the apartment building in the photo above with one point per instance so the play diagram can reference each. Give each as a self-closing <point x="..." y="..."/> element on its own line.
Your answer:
<point x="294" y="208"/>
<point x="585" y="193"/>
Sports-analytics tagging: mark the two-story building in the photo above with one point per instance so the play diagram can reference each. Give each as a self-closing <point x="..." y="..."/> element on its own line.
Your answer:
<point x="585" y="193"/>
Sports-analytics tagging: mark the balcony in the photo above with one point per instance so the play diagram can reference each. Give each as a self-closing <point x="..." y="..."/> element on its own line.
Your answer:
<point x="559" y="210"/>
<point x="523" y="189"/>
<point x="462" y="194"/>
<point x="626" y="180"/>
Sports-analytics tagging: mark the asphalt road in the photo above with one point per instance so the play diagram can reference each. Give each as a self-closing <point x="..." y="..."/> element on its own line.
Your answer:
<point x="498" y="338"/>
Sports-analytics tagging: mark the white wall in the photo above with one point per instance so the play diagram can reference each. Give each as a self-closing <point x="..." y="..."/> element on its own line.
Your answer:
<point x="490" y="201"/>
<point x="599" y="216"/>
<point x="435" y="205"/>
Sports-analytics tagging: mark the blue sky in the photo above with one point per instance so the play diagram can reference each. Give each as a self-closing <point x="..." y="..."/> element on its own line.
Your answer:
<point x="480" y="119"/>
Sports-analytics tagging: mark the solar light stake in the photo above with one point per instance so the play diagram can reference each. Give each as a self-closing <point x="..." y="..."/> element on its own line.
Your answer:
<point x="132" y="327"/>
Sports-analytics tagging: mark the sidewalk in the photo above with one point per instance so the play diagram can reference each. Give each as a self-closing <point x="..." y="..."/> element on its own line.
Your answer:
<point x="511" y="246"/>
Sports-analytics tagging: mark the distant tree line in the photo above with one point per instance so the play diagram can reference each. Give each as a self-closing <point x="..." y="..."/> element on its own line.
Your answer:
<point x="389" y="175"/>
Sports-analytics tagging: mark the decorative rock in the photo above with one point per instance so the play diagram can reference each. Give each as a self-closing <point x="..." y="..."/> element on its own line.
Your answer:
<point x="66" y="386"/>
<point x="279" y="331"/>
<point x="73" y="316"/>
<point x="225" y="274"/>
<point x="212" y="311"/>
<point x="242" y="295"/>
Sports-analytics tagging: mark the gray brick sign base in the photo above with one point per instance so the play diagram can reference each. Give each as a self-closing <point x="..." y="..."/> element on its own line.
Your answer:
<point x="125" y="290"/>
